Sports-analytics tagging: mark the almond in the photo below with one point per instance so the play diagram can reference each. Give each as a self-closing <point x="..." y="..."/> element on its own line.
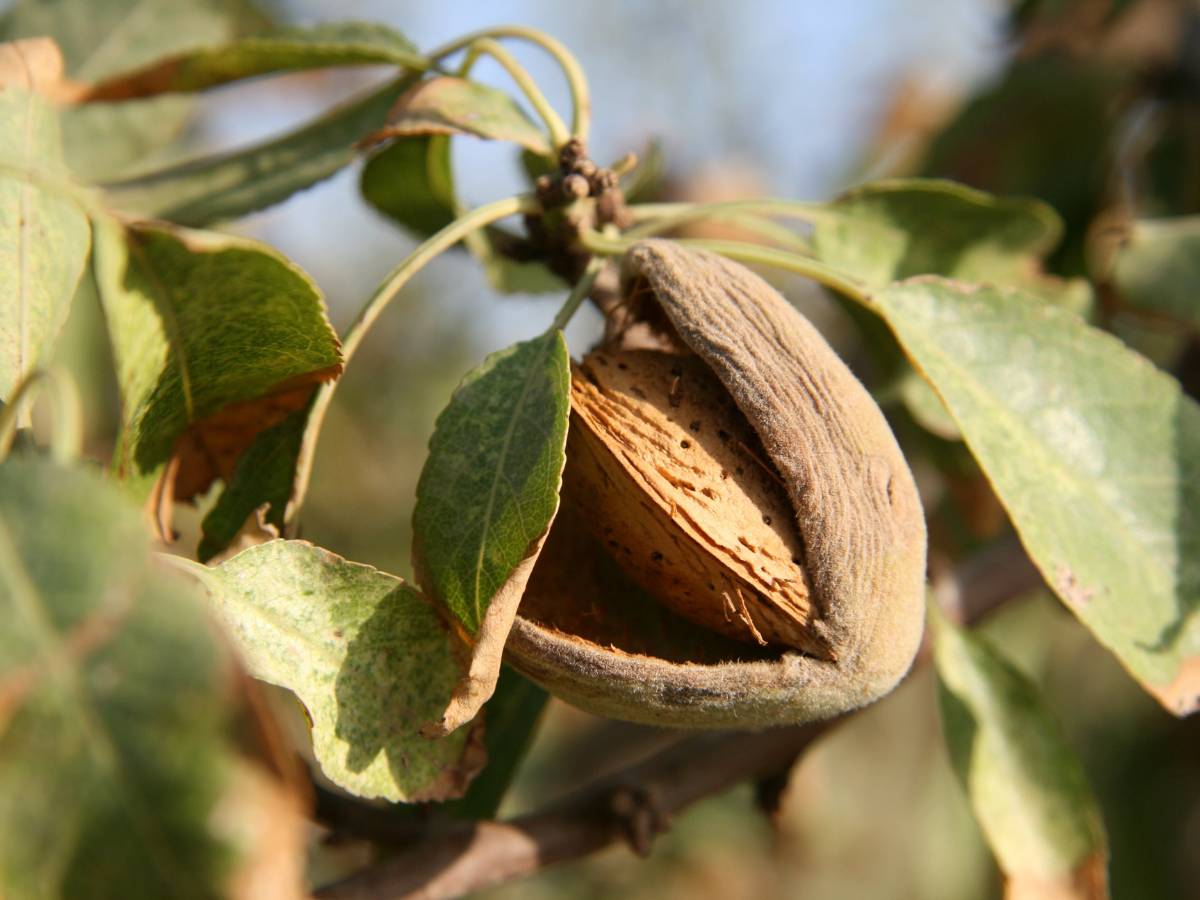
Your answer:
<point x="676" y="483"/>
<point x="664" y="594"/>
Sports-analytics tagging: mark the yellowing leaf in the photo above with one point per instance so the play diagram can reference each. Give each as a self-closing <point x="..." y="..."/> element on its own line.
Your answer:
<point x="1027" y="788"/>
<point x="366" y="655"/>
<point x="35" y="64"/>
<point x="44" y="234"/>
<point x="100" y="37"/>
<point x="1094" y="453"/>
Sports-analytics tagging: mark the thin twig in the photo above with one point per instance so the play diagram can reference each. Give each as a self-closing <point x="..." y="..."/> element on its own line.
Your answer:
<point x="521" y="77"/>
<point x="637" y="803"/>
<point x="576" y="79"/>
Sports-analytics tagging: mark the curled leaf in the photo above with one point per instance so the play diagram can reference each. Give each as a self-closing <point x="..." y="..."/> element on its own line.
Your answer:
<point x="216" y="339"/>
<point x="228" y="185"/>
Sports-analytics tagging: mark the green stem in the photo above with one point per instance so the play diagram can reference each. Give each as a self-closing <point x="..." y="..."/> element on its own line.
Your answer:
<point x="660" y="217"/>
<point x="748" y="253"/>
<point x="576" y="80"/>
<point x="520" y="75"/>
<point x="396" y="279"/>
<point x="765" y="228"/>
<point x="578" y="294"/>
<point x="66" y="441"/>
<point x="196" y="570"/>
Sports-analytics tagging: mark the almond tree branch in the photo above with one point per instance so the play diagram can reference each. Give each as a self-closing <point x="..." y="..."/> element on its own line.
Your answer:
<point x="634" y="805"/>
<point x="638" y="802"/>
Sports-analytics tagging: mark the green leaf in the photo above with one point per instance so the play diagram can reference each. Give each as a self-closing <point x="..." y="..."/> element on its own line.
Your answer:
<point x="101" y="37"/>
<point x="509" y="276"/>
<point x="216" y="188"/>
<point x="1027" y="788"/>
<point x="365" y="654"/>
<point x="215" y="339"/>
<point x="535" y="165"/>
<point x="1157" y="269"/>
<point x="511" y="717"/>
<point x="489" y="488"/>
<point x="44" y="235"/>
<point x="447" y="105"/>
<point x="283" y="50"/>
<point x="265" y="475"/>
<point x="411" y="182"/>
<point x="890" y="230"/>
<point x="117" y="724"/>
<point x="886" y="231"/>
<point x="1094" y="453"/>
<point x="1044" y="128"/>
<point x="485" y="501"/>
<point x="927" y="407"/>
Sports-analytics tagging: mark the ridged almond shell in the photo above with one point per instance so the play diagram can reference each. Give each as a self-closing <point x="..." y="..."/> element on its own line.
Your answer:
<point x="674" y="483"/>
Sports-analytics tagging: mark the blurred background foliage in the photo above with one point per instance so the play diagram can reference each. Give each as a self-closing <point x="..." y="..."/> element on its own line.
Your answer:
<point x="1092" y="105"/>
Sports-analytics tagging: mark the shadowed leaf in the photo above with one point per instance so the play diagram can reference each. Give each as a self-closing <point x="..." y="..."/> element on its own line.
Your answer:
<point x="1027" y="788"/>
<point x="926" y="407"/>
<point x="284" y="50"/>
<point x="486" y="498"/>
<point x="265" y="475"/>
<point x="1094" y="453"/>
<point x="511" y="717"/>
<point x="367" y="656"/>
<point x="411" y="182"/>
<point x="44" y="234"/>
<point x="215" y="339"/>
<point x="448" y="105"/>
<point x="120" y="714"/>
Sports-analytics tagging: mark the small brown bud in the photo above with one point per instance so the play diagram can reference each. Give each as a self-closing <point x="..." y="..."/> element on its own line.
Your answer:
<point x="571" y="153"/>
<point x="575" y="187"/>
<point x="605" y="180"/>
